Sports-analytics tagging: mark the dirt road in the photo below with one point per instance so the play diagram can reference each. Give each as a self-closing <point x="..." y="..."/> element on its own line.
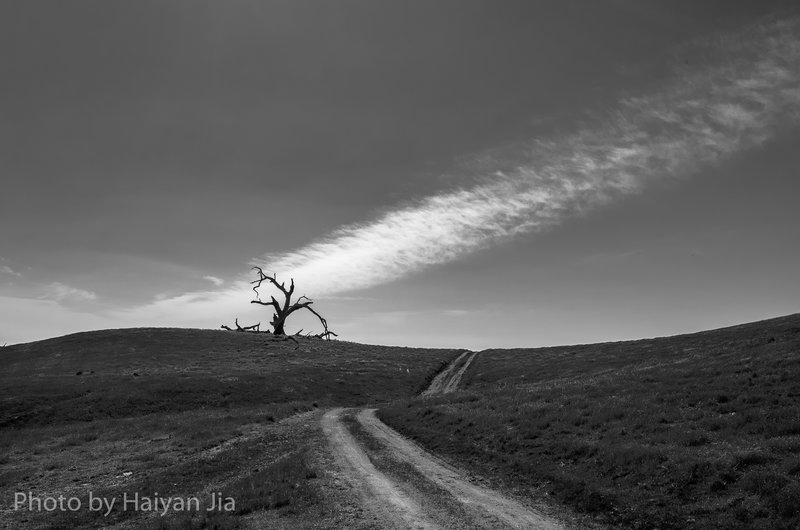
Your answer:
<point x="379" y="495"/>
<point x="403" y="486"/>
<point x="448" y="379"/>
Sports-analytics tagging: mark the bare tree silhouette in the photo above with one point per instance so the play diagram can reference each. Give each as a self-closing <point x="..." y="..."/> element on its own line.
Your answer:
<point x="285" y="309"/>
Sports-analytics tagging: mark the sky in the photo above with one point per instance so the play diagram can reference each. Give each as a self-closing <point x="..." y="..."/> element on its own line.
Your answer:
<point x="468" y="174"/>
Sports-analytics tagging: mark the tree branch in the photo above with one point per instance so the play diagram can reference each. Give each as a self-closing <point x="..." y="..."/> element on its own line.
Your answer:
<point x="255" y="328"/>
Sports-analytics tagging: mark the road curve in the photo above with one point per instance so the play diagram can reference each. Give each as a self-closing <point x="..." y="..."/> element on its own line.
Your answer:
<point x="379" y="494"/>
<point x="479" y="500"/>
<point x="396" y="506"/>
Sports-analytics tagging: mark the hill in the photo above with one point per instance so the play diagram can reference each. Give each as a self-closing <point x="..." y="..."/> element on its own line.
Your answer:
<point x="132" y="372"/>
<point x="691" y="431"/>
<point x="183" y="412"/>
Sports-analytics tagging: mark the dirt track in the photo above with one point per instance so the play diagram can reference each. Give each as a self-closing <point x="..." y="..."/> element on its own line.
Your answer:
<point x="447" y="381"/>
<point x="379" y="495"/>
<point x="430" y="493"/>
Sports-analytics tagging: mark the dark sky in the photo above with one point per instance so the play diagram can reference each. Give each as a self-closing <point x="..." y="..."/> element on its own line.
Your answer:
<point x="152" y="150"/>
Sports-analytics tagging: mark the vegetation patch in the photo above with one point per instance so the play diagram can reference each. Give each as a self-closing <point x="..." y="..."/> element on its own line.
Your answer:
<point x="694" y="431"/>
<point x="178" y="411"/>
<point x="135" y="372"/>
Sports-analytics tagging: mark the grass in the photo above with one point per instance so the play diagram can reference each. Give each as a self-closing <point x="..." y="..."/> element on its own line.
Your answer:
<point x="694" y="431"/>
<point x="285" y="484"/>
<point x="204" y="449"/>
<point x="144" y="371"/>
<point x="179" y="411"/>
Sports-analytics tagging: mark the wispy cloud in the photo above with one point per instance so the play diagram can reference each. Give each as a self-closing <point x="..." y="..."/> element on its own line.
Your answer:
<point x="62" y="292"/>
<point x="5" y="269"/>
<point x="456" y="312"/>
<point x="213" y="279"/>
<point x="747" y="90"/>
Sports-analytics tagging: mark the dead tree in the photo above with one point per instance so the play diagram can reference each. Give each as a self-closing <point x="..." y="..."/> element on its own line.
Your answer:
<point x="283" y="310"/>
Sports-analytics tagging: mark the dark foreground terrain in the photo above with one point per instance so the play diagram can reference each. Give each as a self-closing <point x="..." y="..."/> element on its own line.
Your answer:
<point x="184" y="413"/>
<point x="693" y="431"/>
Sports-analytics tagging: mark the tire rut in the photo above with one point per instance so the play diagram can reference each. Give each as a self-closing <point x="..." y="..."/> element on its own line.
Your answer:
<point x="394" y="508"/>
<point x="447" y="381"/>
<point x="380" y="496"/>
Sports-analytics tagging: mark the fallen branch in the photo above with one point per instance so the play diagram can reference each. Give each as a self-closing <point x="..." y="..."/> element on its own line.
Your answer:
<point x="255" y="328"/>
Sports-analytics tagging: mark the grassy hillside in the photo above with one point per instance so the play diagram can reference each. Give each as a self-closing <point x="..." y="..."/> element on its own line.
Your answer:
<point x="183" y="412"/>
<point x="131" y="372"/>
<point x="692" y="431"/>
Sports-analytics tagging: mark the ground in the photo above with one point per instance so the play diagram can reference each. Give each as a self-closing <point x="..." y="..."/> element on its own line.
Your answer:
<point x="697" y="431"/>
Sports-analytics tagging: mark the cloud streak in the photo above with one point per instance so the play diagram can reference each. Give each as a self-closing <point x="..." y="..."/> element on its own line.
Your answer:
<point x="213" y="279"/>
<point x="5" y="269"/>
<point x="64" y="293"/>
<point x="747" y="90"/>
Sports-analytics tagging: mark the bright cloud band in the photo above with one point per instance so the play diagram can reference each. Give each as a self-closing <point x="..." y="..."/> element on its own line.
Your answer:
<point x="748" y="92"/>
